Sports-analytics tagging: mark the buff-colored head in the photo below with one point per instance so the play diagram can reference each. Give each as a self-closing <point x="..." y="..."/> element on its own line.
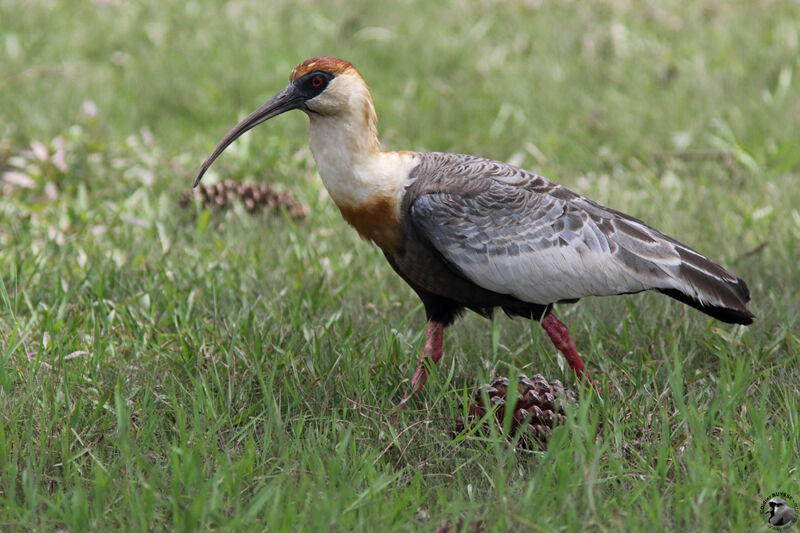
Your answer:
<point x="346" y="90"/>
<point x="322" y="87"/>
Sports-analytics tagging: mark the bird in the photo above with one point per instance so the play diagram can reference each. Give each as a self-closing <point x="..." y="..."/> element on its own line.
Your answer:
<point x="471" y="233"/>
<point x="780" y="514"/>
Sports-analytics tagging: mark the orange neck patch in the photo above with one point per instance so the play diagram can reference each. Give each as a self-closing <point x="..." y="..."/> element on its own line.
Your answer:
<point x="376" y="222"/>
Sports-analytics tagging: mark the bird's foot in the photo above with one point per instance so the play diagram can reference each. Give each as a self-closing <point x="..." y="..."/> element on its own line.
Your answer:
<point x="430" y="355"/>
<point x="559" y="334"/>
<point x="418" y="380"/>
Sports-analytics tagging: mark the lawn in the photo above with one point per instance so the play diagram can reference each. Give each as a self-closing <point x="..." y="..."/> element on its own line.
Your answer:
<point x="169" y="368"/>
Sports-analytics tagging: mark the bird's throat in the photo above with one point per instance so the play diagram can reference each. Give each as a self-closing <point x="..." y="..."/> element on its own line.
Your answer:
<point x="364" y="182"/>
<point x="345" y="148"/>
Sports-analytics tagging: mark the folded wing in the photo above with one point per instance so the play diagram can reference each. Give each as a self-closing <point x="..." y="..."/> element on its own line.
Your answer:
<point x="513" y="232"/>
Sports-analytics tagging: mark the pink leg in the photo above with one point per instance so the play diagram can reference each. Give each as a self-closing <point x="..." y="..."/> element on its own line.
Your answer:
<point x="429" y="355"/>
<point x="559" y="334"/>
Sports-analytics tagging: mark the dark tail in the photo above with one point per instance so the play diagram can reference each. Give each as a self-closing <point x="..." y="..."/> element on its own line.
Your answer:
<point x="726" y="314"/>
<point x="713" y="290"/>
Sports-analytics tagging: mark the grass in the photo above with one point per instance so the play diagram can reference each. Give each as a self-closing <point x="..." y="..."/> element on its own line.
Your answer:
<point x="185" y="370"/>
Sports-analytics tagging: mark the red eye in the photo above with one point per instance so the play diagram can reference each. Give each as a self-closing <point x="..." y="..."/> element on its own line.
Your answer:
<point x="316" y="81"/>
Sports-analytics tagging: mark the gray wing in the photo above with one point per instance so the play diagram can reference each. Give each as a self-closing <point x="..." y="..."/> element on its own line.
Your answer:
<point x="513" y="232"/>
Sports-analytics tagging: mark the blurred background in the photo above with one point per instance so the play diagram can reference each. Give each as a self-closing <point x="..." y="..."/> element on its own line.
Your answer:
<point x="177" y="367"/>
<point x="481" y="76"/>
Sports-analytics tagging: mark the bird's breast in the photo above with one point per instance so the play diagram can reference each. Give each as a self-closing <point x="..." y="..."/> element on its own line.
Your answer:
<point x="376" y="221"/>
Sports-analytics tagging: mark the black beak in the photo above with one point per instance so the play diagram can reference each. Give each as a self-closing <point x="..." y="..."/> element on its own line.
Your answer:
<point x="286" y="100"/>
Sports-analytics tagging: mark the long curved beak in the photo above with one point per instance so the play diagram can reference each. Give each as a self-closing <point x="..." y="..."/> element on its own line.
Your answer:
<point x="286" y="100"/>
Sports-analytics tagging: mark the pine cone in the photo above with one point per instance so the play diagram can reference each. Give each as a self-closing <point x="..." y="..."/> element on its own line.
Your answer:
<point x="539" y="408"/>
<point x="256" y="198"/>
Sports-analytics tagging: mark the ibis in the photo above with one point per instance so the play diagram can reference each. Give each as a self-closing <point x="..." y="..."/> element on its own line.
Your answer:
<point x="469" y="233"/>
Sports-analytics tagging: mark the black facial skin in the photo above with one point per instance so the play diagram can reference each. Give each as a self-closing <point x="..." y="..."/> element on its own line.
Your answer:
<point x="312" y="84"/>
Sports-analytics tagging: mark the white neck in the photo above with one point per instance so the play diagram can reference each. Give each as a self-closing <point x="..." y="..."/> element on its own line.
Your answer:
<point x="344" y="140"/>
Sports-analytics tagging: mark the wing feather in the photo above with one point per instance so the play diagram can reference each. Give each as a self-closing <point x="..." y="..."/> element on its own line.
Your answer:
<point x="516" y="233"/>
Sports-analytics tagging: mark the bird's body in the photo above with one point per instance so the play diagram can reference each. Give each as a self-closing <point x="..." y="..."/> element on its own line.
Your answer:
<point x="471" y="233"/>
